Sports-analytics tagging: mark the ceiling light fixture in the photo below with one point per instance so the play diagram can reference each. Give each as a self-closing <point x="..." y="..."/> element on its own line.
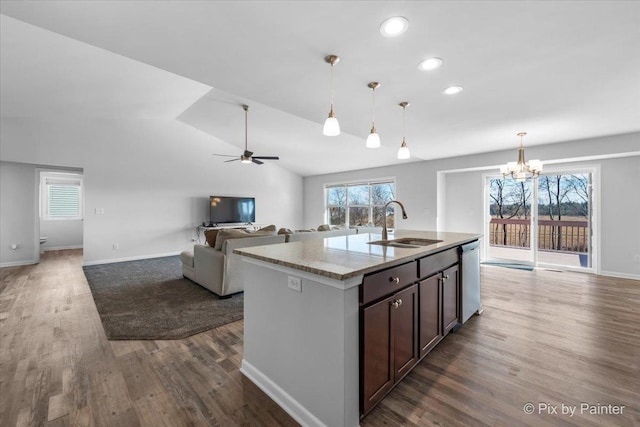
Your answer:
<point x="403" y="152"/>
<point x="430" y="64"/>
<point x="452" y="90"/>
<point x="331" y="125"/>
<point x="521" y="170"/>
<point x="394" y="26"/>
<point x="373" y="140"/>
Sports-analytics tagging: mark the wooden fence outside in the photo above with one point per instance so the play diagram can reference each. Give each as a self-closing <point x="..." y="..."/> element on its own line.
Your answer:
<point x="566" y="236"/>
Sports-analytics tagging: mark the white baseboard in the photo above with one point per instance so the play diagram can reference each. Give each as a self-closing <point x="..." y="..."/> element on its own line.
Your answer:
<point x="62" y="248"/>
<point x="18" y="263"/>
<point x="620" y="275"/>
<point x="281" y="397"/>
<point x="132" y="258"/>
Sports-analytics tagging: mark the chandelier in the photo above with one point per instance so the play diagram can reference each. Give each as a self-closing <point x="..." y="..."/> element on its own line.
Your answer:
<point x="521" y="170"/>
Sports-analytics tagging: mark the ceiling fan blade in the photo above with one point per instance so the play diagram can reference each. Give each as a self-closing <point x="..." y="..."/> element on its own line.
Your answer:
<point x="232" y="160"/>
<point x="248" y="153"/>
<point x="267" y="157"/>
<point x="224" y="155"/>
<point x="257" y="162"/>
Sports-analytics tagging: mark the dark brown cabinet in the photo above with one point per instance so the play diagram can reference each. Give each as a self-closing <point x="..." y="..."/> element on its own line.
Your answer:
<point x="450" y="298"/>
<point x="389" y="344"/>
<point x="430" y="318"/>
<point x="405" y="311"/>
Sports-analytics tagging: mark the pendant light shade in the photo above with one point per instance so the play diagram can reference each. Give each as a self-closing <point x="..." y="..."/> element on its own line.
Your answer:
<point x="521" y="170"/>
<point x="331" y="125"/>
<point x="373" y="140"/>
<point x="403" y="151"/>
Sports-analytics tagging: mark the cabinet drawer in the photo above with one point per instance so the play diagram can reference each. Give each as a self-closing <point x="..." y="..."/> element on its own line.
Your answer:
<point x="383" y="283"/>
<point x="437" y="262"/>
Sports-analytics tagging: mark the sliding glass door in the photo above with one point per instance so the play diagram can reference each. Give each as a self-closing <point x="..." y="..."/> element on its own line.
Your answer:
<point x="543" y="221"/>
<point x="564" y="219"/>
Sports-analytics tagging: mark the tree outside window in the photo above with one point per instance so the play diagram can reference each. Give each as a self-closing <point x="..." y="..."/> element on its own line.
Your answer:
<point x="358" y="204"/>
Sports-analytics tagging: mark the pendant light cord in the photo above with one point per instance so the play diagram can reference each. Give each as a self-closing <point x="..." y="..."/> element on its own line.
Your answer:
<point x="246" y="128"/>
<point x="331" y="83"/>
<point x="373" y="103"/>
<point x="404" y="123"/>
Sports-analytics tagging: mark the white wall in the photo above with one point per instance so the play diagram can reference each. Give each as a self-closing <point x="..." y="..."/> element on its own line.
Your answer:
<point x="462" y="207"/>
<point x="152" y="178"/>
<point x="17" y="213"/>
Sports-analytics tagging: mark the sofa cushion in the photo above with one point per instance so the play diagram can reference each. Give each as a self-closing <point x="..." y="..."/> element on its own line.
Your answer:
<point x="324" y="227"/>
<point x="285" y="231"/>
<point x="187" y="258"/>
<point x="230" y="233"/>
<point x="211" y="235"/>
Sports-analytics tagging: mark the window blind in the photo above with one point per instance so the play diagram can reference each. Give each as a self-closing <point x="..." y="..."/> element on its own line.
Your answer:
<point x="64" y="200"/>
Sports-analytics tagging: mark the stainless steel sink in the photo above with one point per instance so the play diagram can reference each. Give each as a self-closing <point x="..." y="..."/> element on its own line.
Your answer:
<point x="406" y="242"/>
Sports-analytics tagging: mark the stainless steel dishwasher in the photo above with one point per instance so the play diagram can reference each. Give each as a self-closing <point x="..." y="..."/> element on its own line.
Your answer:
<point x="470" y="280"/>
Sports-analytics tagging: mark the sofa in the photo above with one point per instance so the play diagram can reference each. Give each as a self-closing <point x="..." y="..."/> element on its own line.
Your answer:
<point x="215" y="266"/>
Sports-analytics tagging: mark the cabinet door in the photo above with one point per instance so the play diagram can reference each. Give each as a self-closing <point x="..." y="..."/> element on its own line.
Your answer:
<point x="450" y="298"/>
<point x="377" y="353"/>
<point x="404" y="319"/>
<point x="429" y="310"/>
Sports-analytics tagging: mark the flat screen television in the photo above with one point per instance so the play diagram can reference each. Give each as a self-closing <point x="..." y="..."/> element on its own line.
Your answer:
<point x="231" y="209"/>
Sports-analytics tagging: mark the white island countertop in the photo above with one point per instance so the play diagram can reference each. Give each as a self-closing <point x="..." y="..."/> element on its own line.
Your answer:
<point x="345" y="257"/>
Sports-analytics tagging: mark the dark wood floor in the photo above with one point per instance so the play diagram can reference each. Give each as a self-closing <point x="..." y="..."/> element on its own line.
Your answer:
<point x="545" y="337"/>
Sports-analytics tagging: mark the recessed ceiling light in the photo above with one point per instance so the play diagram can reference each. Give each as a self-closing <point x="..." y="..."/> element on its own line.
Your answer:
<point x="394" y="26"/>
<point x="429" y="64"/>
<point x="452" y="90"/>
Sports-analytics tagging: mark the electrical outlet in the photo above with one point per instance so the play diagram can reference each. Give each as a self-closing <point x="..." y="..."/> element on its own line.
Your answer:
<point x="295" y="283"/>
<point x="99" y="211"/>
<point x="116" y="246"/>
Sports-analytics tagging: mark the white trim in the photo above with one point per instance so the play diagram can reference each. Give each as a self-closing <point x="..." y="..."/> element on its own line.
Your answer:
<point x="18" y="263"/>
<point x="62" y="248"/>
<point x="281" y="397"/>
<point x="131" y="258"/>
<point x="620" y="275"/>
<point x="349" y="283"/>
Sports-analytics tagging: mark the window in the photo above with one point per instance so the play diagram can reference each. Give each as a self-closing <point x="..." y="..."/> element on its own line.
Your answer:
<point x="360" y="203"/>
<point x="61" y="196"/>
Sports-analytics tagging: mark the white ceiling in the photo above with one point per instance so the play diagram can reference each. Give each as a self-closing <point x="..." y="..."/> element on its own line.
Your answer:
<point x="558" y="70"/>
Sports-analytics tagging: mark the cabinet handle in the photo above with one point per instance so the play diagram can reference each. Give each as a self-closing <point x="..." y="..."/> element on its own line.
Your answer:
<point x="396" y="303"/>
<point x="446" y="276"/>
<point x="394" y="280"/>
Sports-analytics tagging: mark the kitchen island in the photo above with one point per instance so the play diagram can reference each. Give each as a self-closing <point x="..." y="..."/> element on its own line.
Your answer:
<point x="331" y="325"/>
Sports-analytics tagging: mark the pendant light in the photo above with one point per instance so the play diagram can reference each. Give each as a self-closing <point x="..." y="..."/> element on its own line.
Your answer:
<point x="373" y="140"/>
<point x="331" y="125"/>
<point x="403" y="152"/>
<point x="521" y="170"/>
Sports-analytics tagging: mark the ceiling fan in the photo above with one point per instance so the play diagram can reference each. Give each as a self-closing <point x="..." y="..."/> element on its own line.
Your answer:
<point x="247" y="156"/>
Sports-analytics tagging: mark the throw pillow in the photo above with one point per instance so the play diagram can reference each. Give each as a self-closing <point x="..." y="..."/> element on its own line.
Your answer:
<point x="210" y="235"/>
<point x="231" y="233"/>
<point x="268" y="228"/>
<point x="285" y="231"/>
<point x="324" y="227"/>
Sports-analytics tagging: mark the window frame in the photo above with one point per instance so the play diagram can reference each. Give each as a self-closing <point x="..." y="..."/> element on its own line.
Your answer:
<point x="60" y="179"/>
<point x="370" y="206"/>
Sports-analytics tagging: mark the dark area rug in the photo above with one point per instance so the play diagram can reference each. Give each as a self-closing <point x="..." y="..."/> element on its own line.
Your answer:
<point x="150" y="300"/>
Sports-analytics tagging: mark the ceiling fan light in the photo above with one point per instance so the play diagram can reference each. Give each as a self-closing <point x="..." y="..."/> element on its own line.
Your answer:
<point x="373" y="140"/>
<point x="331" y="126"/>
<point x="246" y="160"/>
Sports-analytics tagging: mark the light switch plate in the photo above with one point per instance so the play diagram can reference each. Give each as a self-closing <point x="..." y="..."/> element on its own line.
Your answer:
<point x="294" y="283"/>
